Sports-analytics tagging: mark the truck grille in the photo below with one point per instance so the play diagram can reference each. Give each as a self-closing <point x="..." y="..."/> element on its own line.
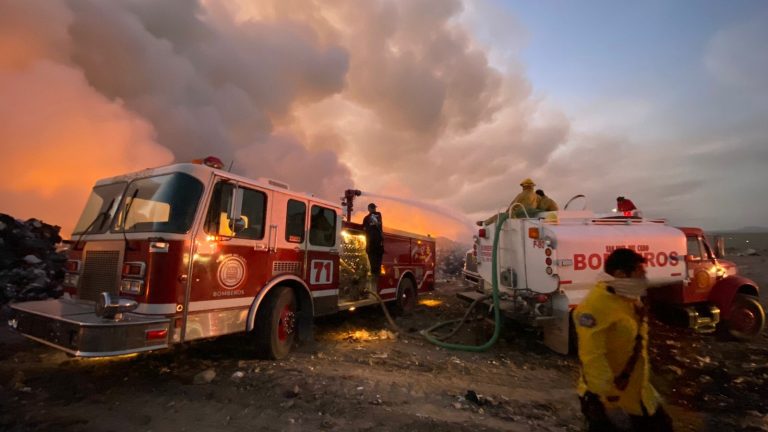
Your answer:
<point x="99" y="274"/>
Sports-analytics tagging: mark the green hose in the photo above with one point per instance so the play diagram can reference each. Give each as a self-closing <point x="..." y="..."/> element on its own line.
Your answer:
<point x="496" y="310"/>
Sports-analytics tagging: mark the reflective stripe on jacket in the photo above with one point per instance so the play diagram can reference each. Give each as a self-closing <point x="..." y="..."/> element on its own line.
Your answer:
<point x="606" y="325"/>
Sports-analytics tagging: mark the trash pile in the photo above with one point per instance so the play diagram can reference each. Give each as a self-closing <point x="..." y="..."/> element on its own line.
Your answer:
<point x="450" y="259"/>
<point x="30" y="266"/>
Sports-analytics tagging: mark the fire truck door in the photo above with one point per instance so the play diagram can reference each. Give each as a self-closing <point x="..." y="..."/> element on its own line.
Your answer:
<point x="323" y="245"/>
<point x="289" y="219"/>
<point x="230" y="261"/>
<point x="701" y="271"/>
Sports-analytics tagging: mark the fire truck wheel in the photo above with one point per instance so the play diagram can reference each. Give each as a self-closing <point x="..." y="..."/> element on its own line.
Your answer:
<point x="747" y="317"/>
<point x="407" y="297"/>
<point x="276" y="324"/>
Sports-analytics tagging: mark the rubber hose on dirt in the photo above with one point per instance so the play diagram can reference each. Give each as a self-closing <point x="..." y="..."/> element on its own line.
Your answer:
<point x="496" y="311"/>
<point x="396" y="328"/>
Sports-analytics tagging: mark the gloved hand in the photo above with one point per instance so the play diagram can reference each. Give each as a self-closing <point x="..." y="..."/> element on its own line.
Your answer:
<point x="616" y="415"/>
<point x="619" y="418"/>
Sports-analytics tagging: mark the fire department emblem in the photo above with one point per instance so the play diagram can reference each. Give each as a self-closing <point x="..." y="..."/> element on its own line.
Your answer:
<point x="231" y="272"/>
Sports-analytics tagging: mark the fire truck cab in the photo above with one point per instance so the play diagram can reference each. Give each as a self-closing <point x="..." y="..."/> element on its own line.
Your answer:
<point x="548" y="263"/>
<point x="190" y="251"/>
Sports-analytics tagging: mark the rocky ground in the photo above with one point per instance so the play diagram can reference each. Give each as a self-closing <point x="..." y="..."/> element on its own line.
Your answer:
<point x="359" y="376"/>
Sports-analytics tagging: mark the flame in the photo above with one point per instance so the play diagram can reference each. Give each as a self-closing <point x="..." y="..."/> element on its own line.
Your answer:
<point x="430" y="302"/>
<point x="363" y="335"/>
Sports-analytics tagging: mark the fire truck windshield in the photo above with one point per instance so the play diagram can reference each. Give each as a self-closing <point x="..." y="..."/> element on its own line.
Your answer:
<point x="102" y="201"/>
<point x="164" y="203"/>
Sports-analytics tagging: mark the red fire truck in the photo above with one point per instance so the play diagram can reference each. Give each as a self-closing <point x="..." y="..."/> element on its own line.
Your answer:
<point x="547" y="264"/>
<point x="191" y="251"/>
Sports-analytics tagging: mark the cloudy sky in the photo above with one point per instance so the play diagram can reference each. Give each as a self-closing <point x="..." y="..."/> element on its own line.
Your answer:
<point x="444" y="104"/>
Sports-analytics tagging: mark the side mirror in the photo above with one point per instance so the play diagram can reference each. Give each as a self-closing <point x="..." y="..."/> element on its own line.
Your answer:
<point x="236" y="222"/>
<point x="691" y="257"/>
<point x="719" y="246"/>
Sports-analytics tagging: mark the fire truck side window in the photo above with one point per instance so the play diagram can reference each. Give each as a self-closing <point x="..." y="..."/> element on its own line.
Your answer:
<point x="253" y="211"/>
<point x="322" y="227"/>
<point x="694" y="248"/>
<point x="295" y="215"/>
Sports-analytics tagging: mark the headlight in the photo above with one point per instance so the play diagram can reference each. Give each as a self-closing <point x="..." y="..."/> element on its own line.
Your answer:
<point x="71" y="280"/>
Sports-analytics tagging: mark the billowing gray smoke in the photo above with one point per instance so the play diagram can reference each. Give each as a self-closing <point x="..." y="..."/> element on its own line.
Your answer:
<point x="395" y="97"/>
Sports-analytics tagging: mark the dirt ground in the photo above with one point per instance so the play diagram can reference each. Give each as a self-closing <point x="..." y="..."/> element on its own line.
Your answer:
<point x="358" y="377"/>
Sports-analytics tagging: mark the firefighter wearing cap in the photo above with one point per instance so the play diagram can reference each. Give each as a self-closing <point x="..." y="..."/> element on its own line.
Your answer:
<point x="546" y="203"/>
<point x="374" y="239"/>
<point x="624" y="204"/>
<point x="612" y="328"/>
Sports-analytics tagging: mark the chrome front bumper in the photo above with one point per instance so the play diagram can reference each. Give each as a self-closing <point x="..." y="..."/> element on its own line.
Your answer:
<point x="73" y="327"/>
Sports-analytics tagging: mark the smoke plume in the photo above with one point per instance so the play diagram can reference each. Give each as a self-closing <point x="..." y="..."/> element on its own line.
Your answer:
<point x="397" y="97"/>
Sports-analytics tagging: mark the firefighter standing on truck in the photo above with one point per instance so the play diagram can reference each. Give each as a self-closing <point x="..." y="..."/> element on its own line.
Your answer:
<point x="624" y="204"/>
<point x="527" y="198"/>
<point x="374" y="239"/>
<point x="546" y="203"/>
<point x="612" y="328"/>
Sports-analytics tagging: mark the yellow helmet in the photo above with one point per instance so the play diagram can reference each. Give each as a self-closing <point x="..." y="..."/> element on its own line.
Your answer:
<point x="527" y="182"/>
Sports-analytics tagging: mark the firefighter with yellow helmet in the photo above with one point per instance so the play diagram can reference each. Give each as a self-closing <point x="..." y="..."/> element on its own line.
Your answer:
<point x="612" y="328"/>
<point x="527" y="197"/>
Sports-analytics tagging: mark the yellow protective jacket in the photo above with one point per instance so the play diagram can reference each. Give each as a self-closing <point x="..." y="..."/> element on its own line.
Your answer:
<point x="547" y="204"/>
<point x="606" y="325"/>
<point x="527" y="198"/>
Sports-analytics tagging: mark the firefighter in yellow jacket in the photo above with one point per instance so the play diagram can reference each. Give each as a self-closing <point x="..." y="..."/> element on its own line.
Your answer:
<point x="612" y="328"/>
<point x="527" y="197"/>
<point x="546" y="203"/>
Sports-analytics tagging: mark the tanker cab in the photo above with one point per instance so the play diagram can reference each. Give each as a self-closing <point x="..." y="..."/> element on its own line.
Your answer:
<point x="703" y="270"/>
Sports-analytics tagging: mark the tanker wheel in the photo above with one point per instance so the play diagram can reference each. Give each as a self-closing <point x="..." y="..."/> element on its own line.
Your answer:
<point x="407" y="297"/>
<point x="276" y="325"/>
<point x="747" y="317"/>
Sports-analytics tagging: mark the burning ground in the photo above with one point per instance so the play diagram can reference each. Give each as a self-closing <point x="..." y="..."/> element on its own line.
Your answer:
<point x="360" y="376"/>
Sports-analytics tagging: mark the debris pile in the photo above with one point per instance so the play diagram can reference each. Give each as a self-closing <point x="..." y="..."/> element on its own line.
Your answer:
<point x="30" y="266"/>
<point x="449" y="258"/>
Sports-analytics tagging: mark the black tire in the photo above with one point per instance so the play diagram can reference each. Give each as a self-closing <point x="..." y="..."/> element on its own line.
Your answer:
<point x="747" y="318"/>
<point x="407" y="297"/>
<point x="275" y="329"/>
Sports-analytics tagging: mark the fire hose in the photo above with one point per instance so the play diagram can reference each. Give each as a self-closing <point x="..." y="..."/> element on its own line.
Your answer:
<point x="439" y="340"/>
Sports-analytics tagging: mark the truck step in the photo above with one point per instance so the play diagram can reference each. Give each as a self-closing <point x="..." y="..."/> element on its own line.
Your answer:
<point x="469" y="296"/>
<point x="701" y="320"/>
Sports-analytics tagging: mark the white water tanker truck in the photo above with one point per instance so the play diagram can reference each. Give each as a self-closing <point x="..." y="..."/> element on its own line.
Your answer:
<point x="547" y="264"/>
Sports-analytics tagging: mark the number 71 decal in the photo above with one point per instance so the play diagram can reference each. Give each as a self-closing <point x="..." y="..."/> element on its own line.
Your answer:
<point x="321" y="272"/>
